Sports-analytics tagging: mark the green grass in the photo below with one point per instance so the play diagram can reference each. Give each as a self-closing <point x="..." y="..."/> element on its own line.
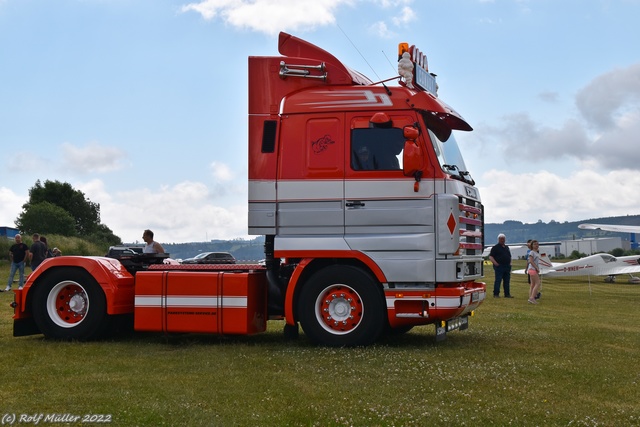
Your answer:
<point x="572" y="360"/>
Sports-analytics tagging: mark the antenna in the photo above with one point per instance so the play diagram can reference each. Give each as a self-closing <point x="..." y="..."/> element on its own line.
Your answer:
<point x="357" y="50"/>
<point x="389" y="61"/>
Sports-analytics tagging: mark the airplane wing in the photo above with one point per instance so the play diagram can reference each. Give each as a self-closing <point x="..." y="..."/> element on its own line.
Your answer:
<point x="611" y="227"/>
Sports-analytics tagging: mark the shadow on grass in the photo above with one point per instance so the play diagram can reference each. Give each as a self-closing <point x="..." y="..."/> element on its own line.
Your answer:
<point x="422" y="337"/>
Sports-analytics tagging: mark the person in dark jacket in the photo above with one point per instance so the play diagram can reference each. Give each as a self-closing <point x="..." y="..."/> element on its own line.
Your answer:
<point x="500" y="257"/>
<point x="37" y="252"/>
<point x="18" y="253"/>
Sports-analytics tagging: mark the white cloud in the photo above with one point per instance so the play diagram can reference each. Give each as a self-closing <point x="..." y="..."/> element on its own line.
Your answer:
<point x="10" y="206"/>
<point x="392" y="3"/>
<point x="187" y="211"/>
<point x="603" y="133"/>
<point x="221" y="171"/>
<point x="92" y="158"/>
<point x="407" y="15"/>
<point x="521" y="138"/>
<point x="272" y="16"/>
<point x="547" y="196"/>
<point x="269" y="16"/>
<point x="209" y="9"/>
<point x="381" y="30"/>
<point x="610" y="96"/>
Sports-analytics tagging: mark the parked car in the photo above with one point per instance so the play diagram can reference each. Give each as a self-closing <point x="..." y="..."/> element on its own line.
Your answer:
<point x="211" y="258"/>
<point x="118" y="252"/>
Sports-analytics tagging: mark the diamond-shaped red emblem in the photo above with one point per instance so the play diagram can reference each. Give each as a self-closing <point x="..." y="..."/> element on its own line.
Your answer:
<point x="451" y="223"/>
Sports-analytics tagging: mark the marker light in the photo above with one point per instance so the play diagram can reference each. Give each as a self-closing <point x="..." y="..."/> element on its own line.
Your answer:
<point x="402" y="48"/>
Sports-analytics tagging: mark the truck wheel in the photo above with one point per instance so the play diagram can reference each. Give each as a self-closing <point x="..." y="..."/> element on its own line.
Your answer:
<point x="70" y="305"/>
<point x="342" y="306"/>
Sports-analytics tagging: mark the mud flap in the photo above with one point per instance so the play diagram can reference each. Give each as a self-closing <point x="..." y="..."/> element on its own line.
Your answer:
<point x="24" y="327"/>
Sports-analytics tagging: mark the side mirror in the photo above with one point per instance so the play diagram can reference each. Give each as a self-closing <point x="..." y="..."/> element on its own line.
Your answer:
<point x="413" y="162"/>
<point x="411" y="132"/>
<point x="412" y="159"/>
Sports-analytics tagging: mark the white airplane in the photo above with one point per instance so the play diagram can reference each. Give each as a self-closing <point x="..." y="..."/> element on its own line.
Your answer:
<point x="593" y="265"/>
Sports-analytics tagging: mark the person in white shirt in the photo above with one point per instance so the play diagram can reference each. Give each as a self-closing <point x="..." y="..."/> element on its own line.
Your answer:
<point x="533" y="268"/>
<point x="152" y="247"/>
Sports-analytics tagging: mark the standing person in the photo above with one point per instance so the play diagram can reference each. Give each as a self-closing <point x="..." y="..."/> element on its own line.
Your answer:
<point x="527" y="259"/>
<point x="152" y="246"/>
<point x="37" y="252"/>
<point x="533" y="268"/>
<point x="46" y="245"/>
<point x="500" y="257"/>
<point x="18" y="253"/>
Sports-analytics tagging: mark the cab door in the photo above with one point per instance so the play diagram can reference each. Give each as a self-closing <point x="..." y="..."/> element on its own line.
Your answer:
<point x="385" y="217"/>
<point x="310" y="190"/>
<point x="379" y="199"/>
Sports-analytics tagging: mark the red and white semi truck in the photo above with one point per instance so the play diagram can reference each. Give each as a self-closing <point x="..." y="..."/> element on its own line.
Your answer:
<point x="371" y="221"/>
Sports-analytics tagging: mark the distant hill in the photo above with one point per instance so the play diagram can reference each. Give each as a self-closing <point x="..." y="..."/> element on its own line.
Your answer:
<point x="518" y="232"/>
<point x="246" y="250"/>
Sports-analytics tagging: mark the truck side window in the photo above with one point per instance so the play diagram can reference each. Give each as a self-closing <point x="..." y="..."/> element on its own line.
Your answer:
<point x="269" y="128"/>
<point x="376" y="149"/>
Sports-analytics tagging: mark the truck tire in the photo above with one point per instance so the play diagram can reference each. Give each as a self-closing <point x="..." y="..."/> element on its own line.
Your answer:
<point x="70" y="305"/>
<point x="342" y="306"/>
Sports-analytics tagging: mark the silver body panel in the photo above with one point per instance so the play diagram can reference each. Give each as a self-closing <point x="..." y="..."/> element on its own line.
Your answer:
<point x="411" y="236"/>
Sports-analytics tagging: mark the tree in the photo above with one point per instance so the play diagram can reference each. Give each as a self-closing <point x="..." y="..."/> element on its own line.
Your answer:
<point x="577" y="254"/>
<point x="617" y="252"/>
<point x="46" y="218"/>
<point x="57" y="208"/>
<point x="103" y="234"/>
<point x="85" y="213"/>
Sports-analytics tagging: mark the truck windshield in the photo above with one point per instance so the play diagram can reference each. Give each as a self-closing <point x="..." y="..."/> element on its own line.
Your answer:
<point x="449" y="157"/>
<point x="446" y="147"/>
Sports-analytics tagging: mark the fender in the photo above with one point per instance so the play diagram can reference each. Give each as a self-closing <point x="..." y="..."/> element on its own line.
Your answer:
<point x="116" y="282"/>
<point x="317" y="255"/>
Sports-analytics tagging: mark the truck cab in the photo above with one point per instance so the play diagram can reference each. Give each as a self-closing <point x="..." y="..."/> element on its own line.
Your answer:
<point x="349" y="174"/>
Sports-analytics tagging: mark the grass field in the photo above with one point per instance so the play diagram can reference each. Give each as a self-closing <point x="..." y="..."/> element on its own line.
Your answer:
<point x="572" y="360"/>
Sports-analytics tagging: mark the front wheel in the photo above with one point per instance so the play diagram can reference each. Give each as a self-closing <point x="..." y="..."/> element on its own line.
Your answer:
<point x="69" y="304"/>
<point x="342" y="306"/>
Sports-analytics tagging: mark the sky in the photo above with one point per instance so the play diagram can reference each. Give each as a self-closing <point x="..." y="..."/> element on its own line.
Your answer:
<point x="142" y="104"/>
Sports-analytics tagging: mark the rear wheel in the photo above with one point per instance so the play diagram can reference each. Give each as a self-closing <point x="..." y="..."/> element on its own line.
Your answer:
<point x="342" y="306"/>
<point x="69" y="304"/>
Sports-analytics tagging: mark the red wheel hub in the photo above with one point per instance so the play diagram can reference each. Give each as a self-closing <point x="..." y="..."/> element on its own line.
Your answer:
<point x="71" y="303"/>
<point x="340" y="309"/>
